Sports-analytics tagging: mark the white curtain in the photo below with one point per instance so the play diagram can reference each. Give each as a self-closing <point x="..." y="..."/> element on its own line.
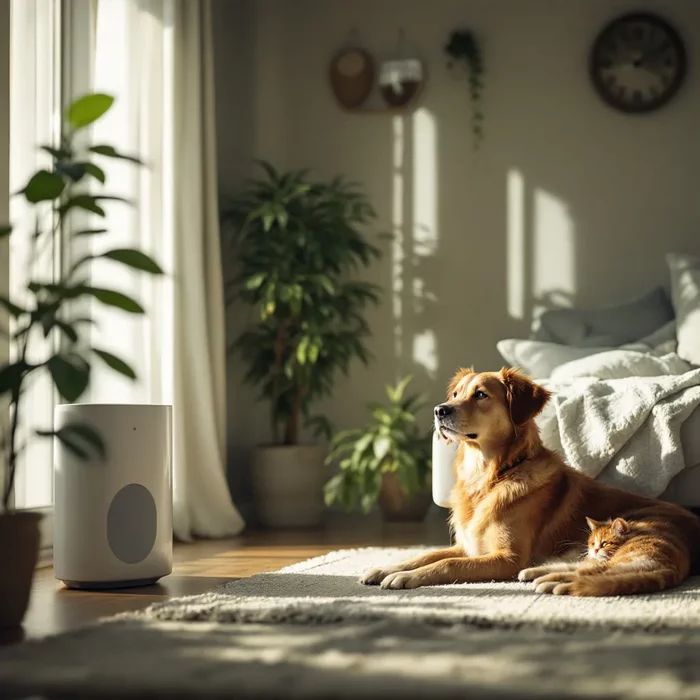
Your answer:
<point x="155" y="57"/>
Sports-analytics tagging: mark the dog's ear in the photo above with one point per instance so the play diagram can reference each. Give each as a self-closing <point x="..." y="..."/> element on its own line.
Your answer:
<point x="525" y="398"/>
<point x="461" y="374"/>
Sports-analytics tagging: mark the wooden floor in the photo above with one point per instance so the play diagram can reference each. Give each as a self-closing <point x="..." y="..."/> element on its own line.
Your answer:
<point x="202" y="565"/>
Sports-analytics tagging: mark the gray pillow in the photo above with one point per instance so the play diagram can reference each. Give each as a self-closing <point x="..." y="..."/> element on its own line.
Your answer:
<point x="611" y="325"/>
<point x="685" y="294"/>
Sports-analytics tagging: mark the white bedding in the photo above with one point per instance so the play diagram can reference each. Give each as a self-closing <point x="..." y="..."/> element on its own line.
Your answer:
<point x="620" y="416"/>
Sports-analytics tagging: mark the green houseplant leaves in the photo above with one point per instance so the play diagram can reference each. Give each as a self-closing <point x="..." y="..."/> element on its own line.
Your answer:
<point x="55" y="193"/>
<point x="391" y="442"/>
<point x="298" y="246"/>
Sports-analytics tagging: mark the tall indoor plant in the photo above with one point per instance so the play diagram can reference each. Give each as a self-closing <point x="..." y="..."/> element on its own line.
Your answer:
<point x="47" y="332"/>
<point x="297" y="245"/>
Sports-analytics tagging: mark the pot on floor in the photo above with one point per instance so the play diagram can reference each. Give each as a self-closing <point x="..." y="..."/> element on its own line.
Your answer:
<point x="19" y="551"/>
<point x="288" y="482"/>
<point x="396" y="506"/>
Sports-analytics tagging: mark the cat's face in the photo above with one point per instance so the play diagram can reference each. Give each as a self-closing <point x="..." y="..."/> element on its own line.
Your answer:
<point x="606" y="537"/>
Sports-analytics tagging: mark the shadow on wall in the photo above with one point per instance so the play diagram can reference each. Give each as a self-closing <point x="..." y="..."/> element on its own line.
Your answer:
<point x="566" y="201"/>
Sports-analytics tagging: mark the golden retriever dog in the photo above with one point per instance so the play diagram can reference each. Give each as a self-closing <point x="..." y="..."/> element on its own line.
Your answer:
<point x="517" y="506"/>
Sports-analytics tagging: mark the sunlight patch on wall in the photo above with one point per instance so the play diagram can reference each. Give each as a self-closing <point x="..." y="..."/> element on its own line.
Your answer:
<point x="425" y="235"/>
<point x="397" y="256"/>
<point x="554" y="274"/>
<point x="515" y="250"/>
<point x="425" y="351"/>
<point x="424" y="184"/>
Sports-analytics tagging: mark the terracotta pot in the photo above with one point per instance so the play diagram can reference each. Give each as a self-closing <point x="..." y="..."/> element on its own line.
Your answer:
<point x="397" y="507"/>
<point x="288" y="482"/>
<point x="19" y="550"/>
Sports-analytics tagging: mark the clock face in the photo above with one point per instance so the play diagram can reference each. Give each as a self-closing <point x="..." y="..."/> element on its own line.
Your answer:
<point x="638" y="63"/>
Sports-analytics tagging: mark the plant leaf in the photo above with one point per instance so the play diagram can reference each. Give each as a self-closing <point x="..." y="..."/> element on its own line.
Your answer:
<point x="87" y="109"/>
<point x="11" y="377"/>
<point x="56" y="153"/>
<point x="255" y="281"/>
<point x="96" y="172"/>
<point x="135" y="259"/>
<point x="116" y="299"/>
<point x="82" y="201"/>
<point x="116" y="363"/>
<point x="72" y="435"/>
<point x="111" y="152"/>
<point x="70" y="374"/>
<point x="11" y="307"/>
<point x="44" y="187"/>
<point x="90" y="232"/>
<point x="382" y="445"/>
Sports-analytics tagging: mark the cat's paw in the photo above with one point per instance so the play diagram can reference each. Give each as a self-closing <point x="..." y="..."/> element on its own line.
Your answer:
<point x="532" y="573"/>
<point x="550" y="582"/>
<point x="556" y="576"/>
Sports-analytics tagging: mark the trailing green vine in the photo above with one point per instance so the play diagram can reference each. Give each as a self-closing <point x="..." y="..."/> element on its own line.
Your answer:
<point x="463" y="46"/>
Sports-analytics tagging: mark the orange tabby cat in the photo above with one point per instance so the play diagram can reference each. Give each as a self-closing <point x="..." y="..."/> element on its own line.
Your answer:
<point x="625" y="556"/>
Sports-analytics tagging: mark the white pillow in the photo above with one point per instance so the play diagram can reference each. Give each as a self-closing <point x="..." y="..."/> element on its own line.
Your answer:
<point x="685" y="294"/>
<point x="619" y="364"/>
<point x="540" y="359"/>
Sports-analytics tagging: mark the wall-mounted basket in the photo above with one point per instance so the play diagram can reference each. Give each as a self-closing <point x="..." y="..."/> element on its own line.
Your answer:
<point x="352" y="76"/>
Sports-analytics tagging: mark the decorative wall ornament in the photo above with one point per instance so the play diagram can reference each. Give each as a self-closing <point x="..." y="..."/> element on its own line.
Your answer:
<point x="351" y="75"/>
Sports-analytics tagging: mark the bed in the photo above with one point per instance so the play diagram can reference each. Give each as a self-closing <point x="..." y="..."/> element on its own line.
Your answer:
<point x="639" y="359"/>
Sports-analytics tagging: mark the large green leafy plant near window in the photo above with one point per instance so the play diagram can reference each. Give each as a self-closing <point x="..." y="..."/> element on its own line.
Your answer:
<point x="46" y="316"/>
<point x="298" y="245"/>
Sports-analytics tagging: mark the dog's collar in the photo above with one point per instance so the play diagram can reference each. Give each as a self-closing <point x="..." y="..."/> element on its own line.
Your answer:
<point x="506" y="467"/>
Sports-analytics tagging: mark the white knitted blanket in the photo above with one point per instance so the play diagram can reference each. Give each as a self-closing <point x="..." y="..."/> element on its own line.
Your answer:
<point x="624" y="431"/>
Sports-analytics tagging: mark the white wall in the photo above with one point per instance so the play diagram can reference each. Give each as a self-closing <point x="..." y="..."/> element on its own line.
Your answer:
<point x="565" y="198"/>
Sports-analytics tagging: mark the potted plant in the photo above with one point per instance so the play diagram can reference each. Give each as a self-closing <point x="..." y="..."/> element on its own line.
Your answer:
<point x="297" y="245"/>
<point x="47" y="335"/>
<point x="388" y="461"/>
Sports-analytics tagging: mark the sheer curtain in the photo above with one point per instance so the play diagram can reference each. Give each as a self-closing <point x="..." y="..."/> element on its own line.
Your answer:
<point x="155" y="57"/>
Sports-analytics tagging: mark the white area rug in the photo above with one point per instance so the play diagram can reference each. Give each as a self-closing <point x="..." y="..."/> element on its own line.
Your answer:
<point x="311" y="631"/>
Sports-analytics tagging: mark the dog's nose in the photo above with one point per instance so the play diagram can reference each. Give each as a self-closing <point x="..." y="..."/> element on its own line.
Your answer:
<point x="443" y="410"/>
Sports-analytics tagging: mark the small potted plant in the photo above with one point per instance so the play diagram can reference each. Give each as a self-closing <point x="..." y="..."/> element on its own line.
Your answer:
<point x="297" y="245"/>
<point x="47" y="335"/>
<point x="388" y="461"/>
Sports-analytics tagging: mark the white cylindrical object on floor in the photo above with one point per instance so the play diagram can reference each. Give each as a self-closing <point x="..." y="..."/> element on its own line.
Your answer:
<point x="113" y="518"/>
<point x="443" y="471"/>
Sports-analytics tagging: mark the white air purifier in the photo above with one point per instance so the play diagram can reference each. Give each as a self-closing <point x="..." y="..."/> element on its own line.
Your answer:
<point x="113" y="517"/>
<point x="443" y="469"/>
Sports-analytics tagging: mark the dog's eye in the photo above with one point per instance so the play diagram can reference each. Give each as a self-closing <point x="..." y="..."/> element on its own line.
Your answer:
<point x="478" y="395"/>
<point x="454" y="394"/>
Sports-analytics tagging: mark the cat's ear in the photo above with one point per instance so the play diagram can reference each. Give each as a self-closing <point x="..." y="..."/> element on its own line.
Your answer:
<point x="592" y="524"/>
<point x="620" y="526"/>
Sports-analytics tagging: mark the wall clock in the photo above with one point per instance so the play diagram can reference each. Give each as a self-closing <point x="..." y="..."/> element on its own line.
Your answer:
<point x="638" y="63"/>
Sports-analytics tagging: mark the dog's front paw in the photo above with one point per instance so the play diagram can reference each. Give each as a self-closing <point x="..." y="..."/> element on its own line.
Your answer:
<point x="374" y="577"/>
<point x="401" y="579"/>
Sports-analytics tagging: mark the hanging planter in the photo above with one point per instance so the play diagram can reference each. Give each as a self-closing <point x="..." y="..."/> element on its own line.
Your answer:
<point x="463" y="50"/>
